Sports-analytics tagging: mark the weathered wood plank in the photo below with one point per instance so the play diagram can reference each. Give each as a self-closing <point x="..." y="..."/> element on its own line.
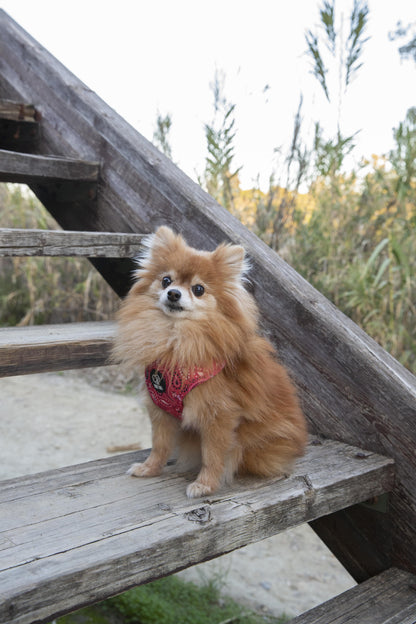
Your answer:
<point x="43" y="348"/>
<point x="22" y="242"/>
<point x="29" y="168"/>
<point x="351" y="389"/>
<point x="87" y="532"/>
<point x="18" y="111"/>
<point x="389" y="598"/>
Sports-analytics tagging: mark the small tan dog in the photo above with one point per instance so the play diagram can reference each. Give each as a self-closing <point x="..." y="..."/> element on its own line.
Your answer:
<point x="214" y="388"/>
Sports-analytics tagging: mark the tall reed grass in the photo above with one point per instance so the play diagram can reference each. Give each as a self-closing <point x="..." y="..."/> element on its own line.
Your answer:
<point x="358" y="249"/>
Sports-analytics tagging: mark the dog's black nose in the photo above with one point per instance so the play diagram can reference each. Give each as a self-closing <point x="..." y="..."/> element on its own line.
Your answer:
<point x="174" y="295"/>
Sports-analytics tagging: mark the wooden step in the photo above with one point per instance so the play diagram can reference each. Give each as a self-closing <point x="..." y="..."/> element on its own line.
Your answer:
<point x="43" y="348"/>
<point x="389" y="598"/>
<point x="22" y="242"/>
<point x="92" y="528"/>
<point x="29" y="168"/>
<point x="18" y="111"/>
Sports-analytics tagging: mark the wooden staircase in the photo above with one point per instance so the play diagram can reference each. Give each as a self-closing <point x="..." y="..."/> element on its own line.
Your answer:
<point x="73" y="536"/>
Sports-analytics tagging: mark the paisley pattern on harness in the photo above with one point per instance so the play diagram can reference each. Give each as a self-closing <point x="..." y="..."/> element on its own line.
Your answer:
<point x="168" y="388"/>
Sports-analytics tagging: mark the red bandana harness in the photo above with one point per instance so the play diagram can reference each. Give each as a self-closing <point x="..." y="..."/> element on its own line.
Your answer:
<point x="168" y="388"/>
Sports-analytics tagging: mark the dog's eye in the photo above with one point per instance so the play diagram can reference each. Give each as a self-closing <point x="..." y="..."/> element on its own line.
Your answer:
<point x="198" y="290"/>
<point x="166" y="281"/>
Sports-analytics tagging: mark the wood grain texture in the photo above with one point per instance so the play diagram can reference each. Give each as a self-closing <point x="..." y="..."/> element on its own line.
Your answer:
<point x="389" y="598"/>
<point x="86" y="532"/>
<point x="28" y="168"/>
<point x="350" y="388"/>
<point x="22" y="242"/>
<point x="44" y="348"/>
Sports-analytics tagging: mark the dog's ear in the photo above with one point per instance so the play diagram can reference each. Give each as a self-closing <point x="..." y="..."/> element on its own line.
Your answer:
<point x="161" y="238"/>
<point x="232" y="259"/>
<point x="154" y="245"/>
<point x="164" y="237"/>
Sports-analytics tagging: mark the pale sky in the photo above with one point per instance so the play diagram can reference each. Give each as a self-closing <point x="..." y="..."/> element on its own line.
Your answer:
<point x="145" y="56"/>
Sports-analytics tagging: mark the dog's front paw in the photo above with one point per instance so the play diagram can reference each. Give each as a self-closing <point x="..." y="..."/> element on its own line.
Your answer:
<point x="143" y="470"/>
<point x="198" y="489"/>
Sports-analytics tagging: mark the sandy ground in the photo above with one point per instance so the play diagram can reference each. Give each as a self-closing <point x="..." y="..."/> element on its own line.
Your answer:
<point x="53" y="420"/>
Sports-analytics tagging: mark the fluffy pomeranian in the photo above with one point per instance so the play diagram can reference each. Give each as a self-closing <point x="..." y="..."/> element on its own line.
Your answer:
<point x="213" y="387"/>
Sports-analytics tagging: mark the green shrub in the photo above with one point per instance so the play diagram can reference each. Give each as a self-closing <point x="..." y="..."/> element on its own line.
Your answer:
<point x="170" y="601"/>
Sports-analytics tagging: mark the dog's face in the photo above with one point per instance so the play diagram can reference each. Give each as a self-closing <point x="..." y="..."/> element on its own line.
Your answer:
<point x="179" y="297"/>
<point x="185" y="283"/>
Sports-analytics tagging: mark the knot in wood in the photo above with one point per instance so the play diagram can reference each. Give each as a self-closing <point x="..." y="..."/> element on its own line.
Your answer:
<point x="201" y="514"/>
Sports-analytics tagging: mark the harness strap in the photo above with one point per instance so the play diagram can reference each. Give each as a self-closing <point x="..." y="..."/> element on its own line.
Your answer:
<point x="168" y="388"/>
